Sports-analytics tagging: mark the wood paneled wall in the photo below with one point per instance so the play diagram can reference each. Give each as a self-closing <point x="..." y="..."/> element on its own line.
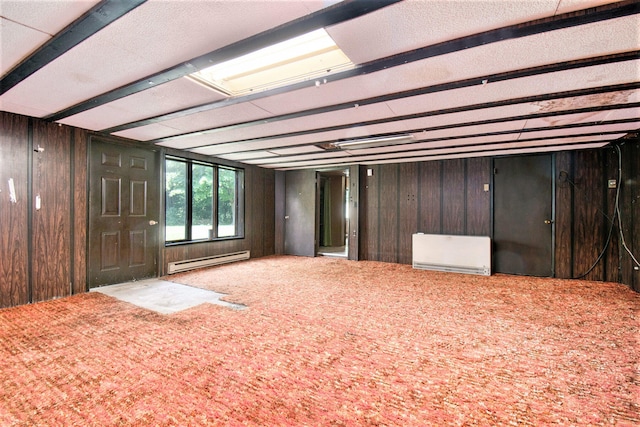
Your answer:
<point x="439" y="197"/>
<point x="630" y="213"/>
<point x="586" y="207"/>
<point x="449" y="197"/>
<point x="14" y="233"/>
<point x="42" y="243"/>
<point x="43" y="252"/>
<point x="259" y="234"/>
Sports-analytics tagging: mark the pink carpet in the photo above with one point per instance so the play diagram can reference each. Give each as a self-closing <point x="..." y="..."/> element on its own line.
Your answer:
<point x="330" y="342"/>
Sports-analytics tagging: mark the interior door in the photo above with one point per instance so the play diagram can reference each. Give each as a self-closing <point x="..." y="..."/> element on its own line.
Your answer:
<point x="523" y="215"/>
<point x="123" y="213"/>
<point x="300" y="213"/>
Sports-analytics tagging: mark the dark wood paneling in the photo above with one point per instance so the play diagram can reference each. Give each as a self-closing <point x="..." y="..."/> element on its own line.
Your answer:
<point x="80" y="211"/>
<point x="51" y="276"/>
<point x="630" y="213"/>
<point x="612" y="255"/>
<point x="634" y="211"/>
<point x="369" y="213"/>
<point x="430" y="184"/>
<point x="14" y="221"/>
<point x="453" y="197"/>
<point x="408" y="210"/>
<point x="254" y="218"/>
<point x="588" y="219"/>
<point x="268" y="212"/>
<point x="388" y="213"/>
<point x="280" y="208"/>
<point x="564" y="216"/>
<point x="478" y="205"/>
<point x="353" y="228"/>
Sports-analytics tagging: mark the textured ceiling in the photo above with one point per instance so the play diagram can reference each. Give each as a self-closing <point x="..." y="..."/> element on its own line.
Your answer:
<point x="466" y="78"/>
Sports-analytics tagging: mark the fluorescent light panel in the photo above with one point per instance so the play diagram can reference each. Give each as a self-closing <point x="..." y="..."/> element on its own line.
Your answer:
<point x="354" y="144"/>
<point x="310" y="56"/>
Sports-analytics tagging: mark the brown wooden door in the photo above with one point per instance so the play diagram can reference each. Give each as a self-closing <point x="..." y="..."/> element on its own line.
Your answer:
<point x="523" y="226"/>
<point x="123" y="213"/>
<point x="300" y="213"/>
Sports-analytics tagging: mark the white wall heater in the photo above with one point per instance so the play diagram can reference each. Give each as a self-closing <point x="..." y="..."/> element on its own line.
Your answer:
<point x="459" y="254"/>
<point x="176" y="267"/>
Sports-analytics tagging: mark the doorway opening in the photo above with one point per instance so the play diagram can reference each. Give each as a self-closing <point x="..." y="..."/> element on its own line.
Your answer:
<point x="333" y="213"/>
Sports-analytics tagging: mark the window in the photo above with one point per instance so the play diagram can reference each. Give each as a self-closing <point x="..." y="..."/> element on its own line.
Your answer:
<point x="226" y="202"/>
<point x="203" y="201"/>
<point x="176" y="200"/>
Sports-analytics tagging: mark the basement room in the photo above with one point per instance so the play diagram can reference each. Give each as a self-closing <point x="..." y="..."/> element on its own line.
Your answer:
<point x="319" y="212"/>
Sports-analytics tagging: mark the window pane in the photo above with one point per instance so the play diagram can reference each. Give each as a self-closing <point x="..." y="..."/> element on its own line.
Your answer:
<point x="176" y="200"/>
<point x="202" y="204"/>
<point x="226" y="202"/>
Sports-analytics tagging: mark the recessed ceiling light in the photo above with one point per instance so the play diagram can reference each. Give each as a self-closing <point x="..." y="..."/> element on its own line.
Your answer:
<point x="307" y="57"/>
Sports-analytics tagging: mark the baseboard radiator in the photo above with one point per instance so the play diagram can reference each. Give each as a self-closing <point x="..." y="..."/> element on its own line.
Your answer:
<point x="459" y="254"/>
<point x="190" y="264"/>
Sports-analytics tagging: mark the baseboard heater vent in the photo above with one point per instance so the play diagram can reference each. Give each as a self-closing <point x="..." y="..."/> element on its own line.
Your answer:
<point x="176" y="267"/>
<point x="457" y="254"/>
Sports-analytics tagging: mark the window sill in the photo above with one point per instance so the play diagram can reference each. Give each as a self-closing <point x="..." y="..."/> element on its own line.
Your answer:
<point x="195" y="242"/>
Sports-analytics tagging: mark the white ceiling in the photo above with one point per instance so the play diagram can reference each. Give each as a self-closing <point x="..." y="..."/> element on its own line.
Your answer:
<point x="466" y="78"/>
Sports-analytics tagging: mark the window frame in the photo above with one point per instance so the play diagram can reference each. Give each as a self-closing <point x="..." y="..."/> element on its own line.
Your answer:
<point x="239" y="201"/>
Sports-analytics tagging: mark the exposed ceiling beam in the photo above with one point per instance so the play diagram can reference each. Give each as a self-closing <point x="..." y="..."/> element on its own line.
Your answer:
<point x="420" y="155"/>
<point x="471" y="107"/>
<point x="546" y="114"/>
<point x="571" y="19"/>
<point x="101" y="15"/>
<point x="492" y="78"/>
<point x="331" y="15"/>
<point x="347" y="156"/>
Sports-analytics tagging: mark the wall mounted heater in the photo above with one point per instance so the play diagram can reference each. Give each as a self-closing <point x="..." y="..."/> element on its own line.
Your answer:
<point x="458" y="254"/>
<point x="176" y="267"/>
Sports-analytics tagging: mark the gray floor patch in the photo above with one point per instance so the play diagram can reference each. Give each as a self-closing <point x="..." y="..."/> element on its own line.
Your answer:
<point x="162" y="296"/>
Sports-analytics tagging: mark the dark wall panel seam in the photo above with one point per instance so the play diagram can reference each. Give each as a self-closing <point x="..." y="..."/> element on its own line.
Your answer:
<point x="419" y="196"/>
<point x="441" y="195"/>
<point x="72" y="208"/>
<point x="466" y="197"/>
<point x="553" y="214"/>
<point x="30" y="209"/>
<point x="398" y="215"/>
<point x="572" y="215"/>
<point x="377" y="179"/>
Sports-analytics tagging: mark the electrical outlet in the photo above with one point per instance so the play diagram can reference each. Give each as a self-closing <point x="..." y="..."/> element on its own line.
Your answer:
<point x="612" y="183"/>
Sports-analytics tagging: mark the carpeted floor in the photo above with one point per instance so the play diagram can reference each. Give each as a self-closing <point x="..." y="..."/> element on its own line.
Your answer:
<point x="330" y="342"/>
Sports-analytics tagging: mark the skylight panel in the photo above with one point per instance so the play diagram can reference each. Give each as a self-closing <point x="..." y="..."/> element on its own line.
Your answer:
<point x="309" y="56"/>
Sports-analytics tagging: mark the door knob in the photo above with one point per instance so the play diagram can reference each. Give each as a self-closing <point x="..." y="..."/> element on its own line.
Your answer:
<point x="548" y="221"/>
<point x="152" y="222"/>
